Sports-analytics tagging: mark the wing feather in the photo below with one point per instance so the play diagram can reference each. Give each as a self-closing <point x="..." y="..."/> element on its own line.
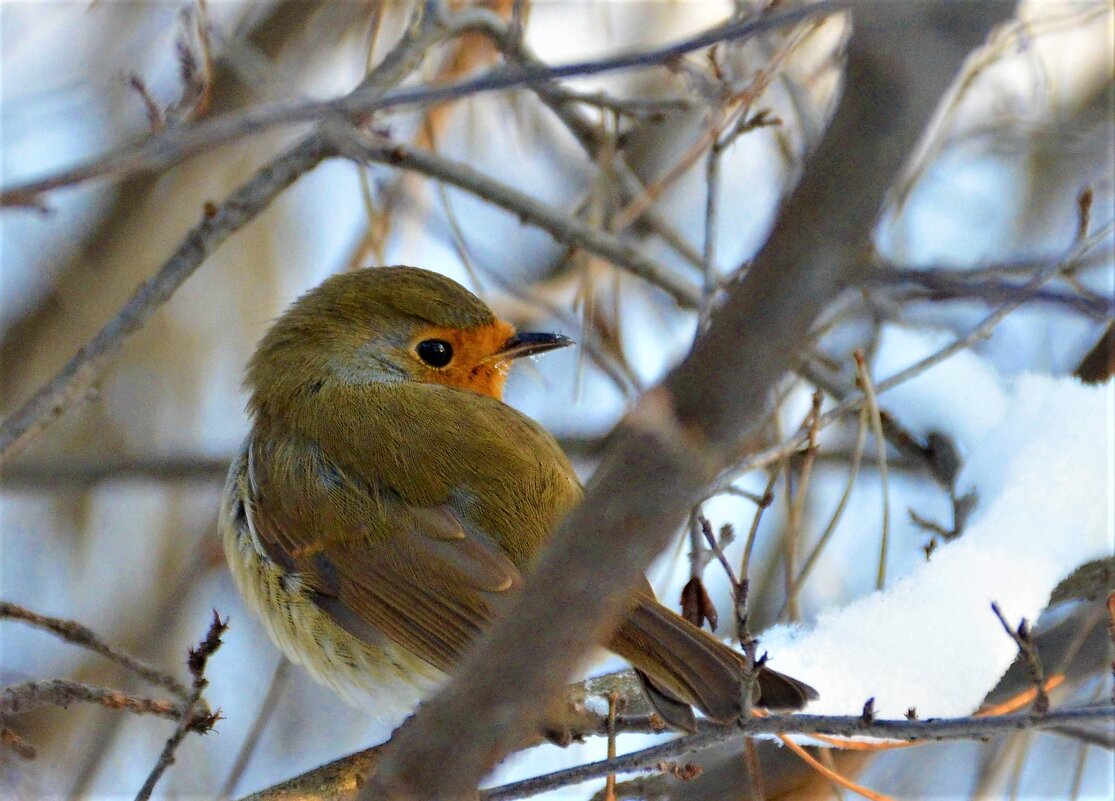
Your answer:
<point x="377" y="566"/>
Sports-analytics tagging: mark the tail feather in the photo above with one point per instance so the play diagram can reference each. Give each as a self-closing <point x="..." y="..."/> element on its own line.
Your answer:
<point x="681" y="664"/>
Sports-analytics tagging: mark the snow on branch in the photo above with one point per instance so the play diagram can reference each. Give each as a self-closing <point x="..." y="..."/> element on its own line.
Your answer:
<point x="931" y="640"/>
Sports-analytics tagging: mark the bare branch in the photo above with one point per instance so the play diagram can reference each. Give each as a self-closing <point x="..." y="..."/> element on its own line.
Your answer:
<point x="218" y="223"/>
<point x="863" y="378"/>
<point x="173" y="147"/>
<point x="73" y="632"/>
<point x="356" y="145"/>
<point x="943" y="284"/>
<point x="1029" y="652"/>
<point x="341" y="778"/>
<point x="682" y="433"/>
<point x="21" y="698"/>
<point x="191" y="717"/>
<point x="649" y="759"/>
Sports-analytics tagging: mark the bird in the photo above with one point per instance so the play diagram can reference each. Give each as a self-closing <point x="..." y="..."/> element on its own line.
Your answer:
<point x="386" y="503"/>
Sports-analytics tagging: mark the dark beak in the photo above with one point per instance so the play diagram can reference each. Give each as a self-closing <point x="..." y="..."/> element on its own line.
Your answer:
<point x="531" y="344"/>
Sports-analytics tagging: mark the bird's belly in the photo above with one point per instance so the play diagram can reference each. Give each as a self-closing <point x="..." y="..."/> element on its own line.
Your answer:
<point x="385" y="679"/>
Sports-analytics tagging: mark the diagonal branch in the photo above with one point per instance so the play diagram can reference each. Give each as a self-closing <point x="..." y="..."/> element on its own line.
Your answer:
<point x="351" y="142"/>
<point x="173" y="147"/>
<point x="74" y="381"/>
<point x="80" y="373"/>
<point x="682" y="433"/>
<point x="73" y="632"/>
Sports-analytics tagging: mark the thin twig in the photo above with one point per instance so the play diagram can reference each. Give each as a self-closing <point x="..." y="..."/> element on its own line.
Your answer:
<point x="1029" y="652"/>
<point x="943" y="284"/>
<point x="863" y="378"/>
<point x="562" y="103"/>
<point x="360" y="146"/>
<point x="796" y="503"/>
<point x="76" y="474"/>
<point x="75" y="633"/>
<point x="752" y="533"/>
<point x="838" y="513"/>
<point x="164" y="151"/>
<point x="610" y="781"/>
<point x="266" y="709"/>
<point x="712" y="196"/>
<point x="21" y="698"/>
<point x="967" y="728"/>
<point x="190" y="719"/>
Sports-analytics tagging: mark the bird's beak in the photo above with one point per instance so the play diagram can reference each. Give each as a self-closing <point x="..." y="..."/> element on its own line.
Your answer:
<point x="530" y="344"/>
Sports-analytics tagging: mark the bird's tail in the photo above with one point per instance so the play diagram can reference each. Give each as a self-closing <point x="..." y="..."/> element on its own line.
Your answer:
<point x="682" y="665"/>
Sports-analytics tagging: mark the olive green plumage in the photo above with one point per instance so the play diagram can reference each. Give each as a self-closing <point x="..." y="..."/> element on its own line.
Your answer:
<point x="384" y="510"/>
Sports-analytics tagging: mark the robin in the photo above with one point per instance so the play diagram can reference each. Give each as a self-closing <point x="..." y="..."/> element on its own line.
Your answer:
<point x="387" y="502"/>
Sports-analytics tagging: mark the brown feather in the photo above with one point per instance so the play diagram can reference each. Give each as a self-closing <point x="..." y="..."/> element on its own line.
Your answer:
<point x="380" y="501"/>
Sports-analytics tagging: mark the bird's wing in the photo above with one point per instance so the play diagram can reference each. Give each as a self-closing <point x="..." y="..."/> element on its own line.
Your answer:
<point x="377" y="566"/>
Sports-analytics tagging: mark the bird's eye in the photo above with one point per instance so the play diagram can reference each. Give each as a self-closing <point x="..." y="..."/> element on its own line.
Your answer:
<point x="435" y="352"/>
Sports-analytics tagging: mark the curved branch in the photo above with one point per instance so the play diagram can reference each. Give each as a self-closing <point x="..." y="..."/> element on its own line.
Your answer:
<point x="353" y="143"/>
<point x="83" y="369"/>
<point x="173" y="147"/>
<point x="681" y="434"/>
<point x="79" y="374"/>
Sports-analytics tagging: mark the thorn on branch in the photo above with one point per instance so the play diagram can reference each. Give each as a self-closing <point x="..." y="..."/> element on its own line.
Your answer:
<point x="1029" y="653"/>
<point x="200" y="655"/>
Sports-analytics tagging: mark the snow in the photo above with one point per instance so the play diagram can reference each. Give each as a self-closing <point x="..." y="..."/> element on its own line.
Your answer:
<point x="930" y="640"/>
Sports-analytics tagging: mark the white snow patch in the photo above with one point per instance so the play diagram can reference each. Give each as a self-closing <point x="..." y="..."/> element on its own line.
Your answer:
<point x="930" y="640"/>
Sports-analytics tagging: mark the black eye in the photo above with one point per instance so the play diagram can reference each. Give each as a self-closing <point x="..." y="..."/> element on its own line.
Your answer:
<point x="435" y="352"/>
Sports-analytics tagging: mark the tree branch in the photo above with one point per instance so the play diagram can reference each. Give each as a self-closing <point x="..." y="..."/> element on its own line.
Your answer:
<point x="73" y="632"/>
<point x="354" y="144"/>
<point x="967" y="728"/>
<point x="682" y="433"/>
<point x="173" y="147"/>
<point x="22" y="698"/>
<point x="80" y="373"/>
<point x="340" y="779"/>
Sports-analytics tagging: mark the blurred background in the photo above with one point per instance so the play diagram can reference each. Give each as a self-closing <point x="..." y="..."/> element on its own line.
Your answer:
<point x="109" y="517"/>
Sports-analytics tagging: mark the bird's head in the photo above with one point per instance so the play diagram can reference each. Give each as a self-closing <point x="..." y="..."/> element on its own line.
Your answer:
<point x="388" y="324"/>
